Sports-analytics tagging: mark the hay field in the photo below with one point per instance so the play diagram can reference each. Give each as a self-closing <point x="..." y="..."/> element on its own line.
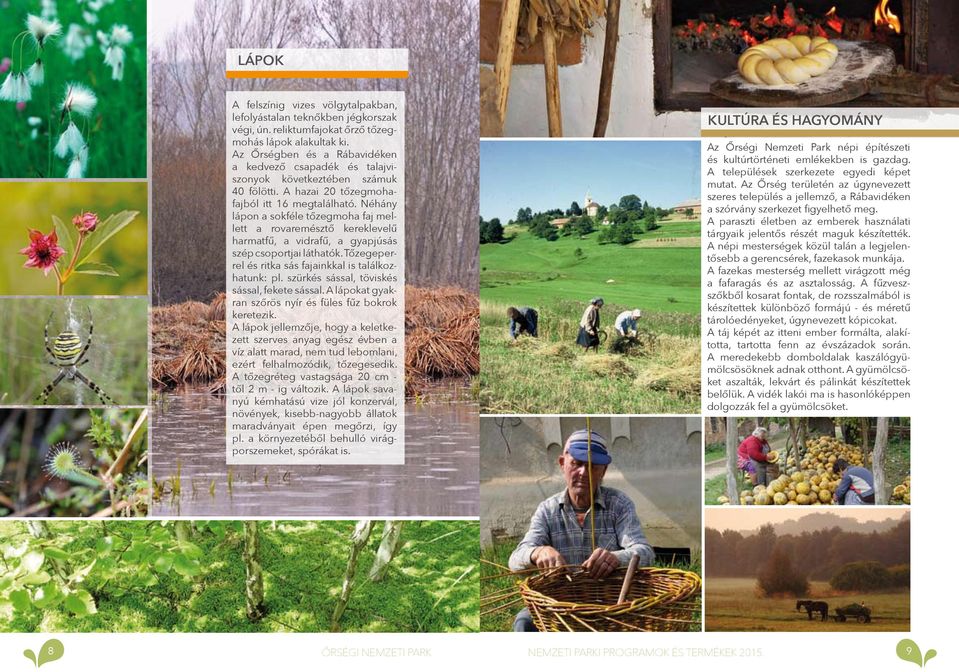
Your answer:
<point x="551" y="374"/>
<point x="732" y="605"/>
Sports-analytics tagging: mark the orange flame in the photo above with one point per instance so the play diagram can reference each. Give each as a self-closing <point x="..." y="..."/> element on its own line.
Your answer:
<point x="833" y="21"/>
<point x="884" y="17"/>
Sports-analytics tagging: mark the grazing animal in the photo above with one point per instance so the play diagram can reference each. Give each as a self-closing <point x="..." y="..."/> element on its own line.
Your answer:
<point x="810" y="606"/>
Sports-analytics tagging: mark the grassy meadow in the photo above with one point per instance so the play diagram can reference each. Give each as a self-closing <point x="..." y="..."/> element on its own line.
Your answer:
<point x="550" y="374"/>
<point x="115" y="132"/>
<point x="732" y="605"/>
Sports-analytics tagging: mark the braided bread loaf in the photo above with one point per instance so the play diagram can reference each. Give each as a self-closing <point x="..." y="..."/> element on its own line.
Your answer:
<point x="789" y="60"/>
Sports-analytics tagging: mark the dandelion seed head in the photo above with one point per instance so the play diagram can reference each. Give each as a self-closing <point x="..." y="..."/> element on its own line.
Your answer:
<point x="78" y="99"/>
<point x="42" y="29"/>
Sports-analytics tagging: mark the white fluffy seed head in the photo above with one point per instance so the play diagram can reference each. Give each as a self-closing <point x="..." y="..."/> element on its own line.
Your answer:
<point x="8" y="89"/>
<point x="75" y="169"/>
<point x="76" y="42"/>
<point x="78" y="99"/>
<point x="35" y="73"/>
<point x="41" y="29"/>
<point x="23" y="88"/>
<point x="114" y="56"/>
<point x="121" y="35"/>
<point x="70" y="142"/>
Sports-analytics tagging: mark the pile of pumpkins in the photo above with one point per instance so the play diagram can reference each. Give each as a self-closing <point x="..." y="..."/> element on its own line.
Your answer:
<point x="902" y="493"/>
<point x="812" y="483"/>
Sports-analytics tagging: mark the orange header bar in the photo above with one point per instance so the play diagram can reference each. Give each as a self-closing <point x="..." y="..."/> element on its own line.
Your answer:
<point x="317" y="74"/>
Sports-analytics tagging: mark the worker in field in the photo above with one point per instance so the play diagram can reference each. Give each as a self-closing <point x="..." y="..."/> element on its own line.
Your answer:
<point x="627" y="322"/>
<point x="751" y="456"/>
<point x="522" y="320"/>
<point x="561" y="532"/>
<point x="588" y="336"/>
<point x="856" y="487"/>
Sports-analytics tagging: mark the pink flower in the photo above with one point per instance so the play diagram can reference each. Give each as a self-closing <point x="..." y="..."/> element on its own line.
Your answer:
<point x="86" y="222"/>
<point x="21" y="106"/>
<point x="43" y="251"/>
<point x="5" y="64"/>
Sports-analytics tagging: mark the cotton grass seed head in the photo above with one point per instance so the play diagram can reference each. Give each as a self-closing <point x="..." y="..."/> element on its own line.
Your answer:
<point x="76" y="42"/>
<point x="75" y="169"/>
<point x="15" y="88"/>
<point x="78" y="99"/>
<point x="41" y="29"/>
<point x="35" y="73"/>
<point x="70" y="141"/>
<point x="114" y="56"/>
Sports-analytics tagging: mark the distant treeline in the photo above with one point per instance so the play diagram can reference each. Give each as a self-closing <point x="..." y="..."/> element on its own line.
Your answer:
<point x="819" y="555"/>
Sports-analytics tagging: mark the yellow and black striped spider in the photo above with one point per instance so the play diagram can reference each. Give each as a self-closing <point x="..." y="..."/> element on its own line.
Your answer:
<point x="68" y="353"/>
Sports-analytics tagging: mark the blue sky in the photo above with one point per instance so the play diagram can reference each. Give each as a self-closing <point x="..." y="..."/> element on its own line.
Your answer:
<point x="544" y="174"/>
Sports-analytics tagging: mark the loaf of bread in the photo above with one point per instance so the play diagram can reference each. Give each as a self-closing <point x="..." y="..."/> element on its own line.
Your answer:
<point x="790" y="60"/>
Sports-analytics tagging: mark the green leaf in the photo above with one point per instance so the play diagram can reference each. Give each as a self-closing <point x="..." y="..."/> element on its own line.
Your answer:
<point x="96" y="269"/>
<point x="5" y="583"/>
<point x="80" y="603"/>
<point x="47" y="595"/>
<point x="190" y="550"/>
<point x="35" y="579"/>
<point x="67" y="236"/>
<point x="32" y="561"/>
<point x="184" y="566"/>
<point x="164" y="563"/>
<point x="930" y="654"/>
<point x="104" y="545"/>
<point x="56" y="553"/>
<point x="51" y="650"/>
<point x="82" y="573"/>
<point x="20" y="599"/>
<point x="29" y="654"/>
<point x="105" y="231"/>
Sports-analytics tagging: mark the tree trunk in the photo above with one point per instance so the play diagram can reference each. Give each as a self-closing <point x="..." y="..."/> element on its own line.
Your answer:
<point x="38" y="529"/>
<point x="878" y="459"/>
<point x="255" y="609"/>
<point x="803" y="435"/>
<point x="864" y="434"/>
<point x="732" y="443"/>
<point x="361" y="535"/>
<point x="389" y="545"/>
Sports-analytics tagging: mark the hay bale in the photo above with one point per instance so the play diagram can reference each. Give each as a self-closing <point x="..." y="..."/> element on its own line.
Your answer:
<point x="612" y="366"/>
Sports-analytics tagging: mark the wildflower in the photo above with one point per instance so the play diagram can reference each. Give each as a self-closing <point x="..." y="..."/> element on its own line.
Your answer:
<point x="5" y="64"/>
<point x="35" y="73"/>
<point x="86" y="222"/>
<point x="21" y="106"/>
<point x="63" y="459"/>
<point x="41" y="29"/>
<point x="78" y="98"/>
<point x="15" y="88"/>
<point x="70" y="142"/>
<point x="43" y="251"/>
<point x="75" y="169"/>
<point x="76" y="42"/>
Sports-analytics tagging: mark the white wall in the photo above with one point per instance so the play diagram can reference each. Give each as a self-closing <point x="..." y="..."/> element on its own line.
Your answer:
<point x="632" y="112"/>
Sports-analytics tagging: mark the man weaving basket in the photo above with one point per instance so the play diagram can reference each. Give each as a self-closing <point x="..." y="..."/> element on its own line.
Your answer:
<point x="560" y="532"/>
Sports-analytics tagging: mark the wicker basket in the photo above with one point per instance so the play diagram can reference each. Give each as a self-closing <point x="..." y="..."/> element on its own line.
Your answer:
<point x="568" y="600"/>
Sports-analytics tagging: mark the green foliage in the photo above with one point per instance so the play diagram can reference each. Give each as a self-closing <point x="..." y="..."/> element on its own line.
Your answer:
<point x="137" y="577"/>
<point x="490" y="231"/>
<point x="866" y="576"/>
<point x="778" y="577"/>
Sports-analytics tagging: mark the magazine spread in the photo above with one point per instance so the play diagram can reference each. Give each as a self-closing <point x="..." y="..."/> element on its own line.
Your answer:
<point x="390" y="330"/>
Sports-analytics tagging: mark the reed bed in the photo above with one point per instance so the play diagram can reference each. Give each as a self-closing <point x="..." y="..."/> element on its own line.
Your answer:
<point x="442" y="340"/>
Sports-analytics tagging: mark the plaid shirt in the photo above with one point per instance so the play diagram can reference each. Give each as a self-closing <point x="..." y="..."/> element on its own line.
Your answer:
<point x="554" y="524"/>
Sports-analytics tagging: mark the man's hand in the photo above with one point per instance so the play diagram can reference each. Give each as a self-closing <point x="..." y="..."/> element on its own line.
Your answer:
<point x="547" y="556"/>
<point x="601" y="563"/>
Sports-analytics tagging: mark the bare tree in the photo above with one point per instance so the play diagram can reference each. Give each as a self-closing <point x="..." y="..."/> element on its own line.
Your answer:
<point x="255" y="609"/>
<point x="389" y="545"/>
<point x="879" y="459"/>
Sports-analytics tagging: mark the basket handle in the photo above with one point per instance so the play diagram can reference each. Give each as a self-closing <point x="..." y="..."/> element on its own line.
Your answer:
<point x="633" y="562"/>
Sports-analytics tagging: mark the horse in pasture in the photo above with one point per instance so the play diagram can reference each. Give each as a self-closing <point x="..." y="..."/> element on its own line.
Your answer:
<point x="810" y="606"/>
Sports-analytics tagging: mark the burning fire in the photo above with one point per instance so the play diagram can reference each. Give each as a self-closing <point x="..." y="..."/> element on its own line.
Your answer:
<point x="884" y="17"/>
